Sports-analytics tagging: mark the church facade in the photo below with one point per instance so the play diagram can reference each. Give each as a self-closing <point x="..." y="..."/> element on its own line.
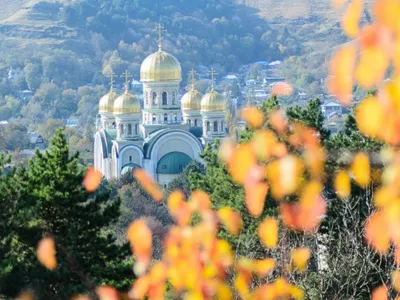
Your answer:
<point x="164" y="135"/>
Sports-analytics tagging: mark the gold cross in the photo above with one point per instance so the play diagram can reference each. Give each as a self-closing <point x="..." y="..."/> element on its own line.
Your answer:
<point x="126" y="75"/>
<point x="160" y="29"/>
<point x="192" y="75"/>
<point x="111" y="75"/>
<point x="212" y="73"/>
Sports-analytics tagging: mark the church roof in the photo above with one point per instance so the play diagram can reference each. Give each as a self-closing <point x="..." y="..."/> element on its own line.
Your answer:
<point x="173" y="163"/>
<point x="196" y="131"/>
<point x="108" y="136"/>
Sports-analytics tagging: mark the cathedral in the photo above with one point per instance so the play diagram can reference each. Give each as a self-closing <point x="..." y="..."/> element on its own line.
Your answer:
<point x="165" y="134"/>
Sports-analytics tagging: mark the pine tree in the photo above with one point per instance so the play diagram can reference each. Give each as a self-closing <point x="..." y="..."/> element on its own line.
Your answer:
<point x="53" y="202"/>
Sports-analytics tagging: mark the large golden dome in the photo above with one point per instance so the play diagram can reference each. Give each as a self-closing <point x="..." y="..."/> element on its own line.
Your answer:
<point x="106" y="104"/>
<point x="127" y="104"/>
<point x="160" y="66"/>
<point x="191" y="100"/>
<point x="213" y="101"/>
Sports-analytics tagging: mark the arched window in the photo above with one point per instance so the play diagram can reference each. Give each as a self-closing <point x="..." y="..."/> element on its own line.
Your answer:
<point x="154" y="118"/>
<point x="136" y="129"/>
<point x="173" y="98"/>
<point x="222" y="126"/>
<point x="154" y="98"/>
<point x="190" y="123"/>
<point x="165" y="118"/>
<point x="176" y="118"/>
<point x="215" y="126"/>
<point x="208" y="126"/>
<point x="145" y="118"/>
<point x="147" y="97"/>
<point x="195" y="123"/>
<point x="129" y="129"/>
<point x="164" y="98"/>
<point x="121" y="129"/>
<point x="113" y="125"/>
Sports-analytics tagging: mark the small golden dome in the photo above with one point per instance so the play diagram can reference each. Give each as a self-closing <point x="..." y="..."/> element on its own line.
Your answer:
<point x="191" y="100"/>
<point x="160" y="66"/>
<point x="213" y="101"/>
<point x="127" y="104"/>
<point x="106" y="104"/>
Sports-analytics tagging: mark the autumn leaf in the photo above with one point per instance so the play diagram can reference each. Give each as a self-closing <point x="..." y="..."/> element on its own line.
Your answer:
<point x="369" y="116"/>
<point x="253" y="116"/>
<point x="282" y="89"/>
<point x="147" y="183"/>
<point x="376" y="232"/>
<point x="46" y="253"/>
<point x="361" y="170"/>
<point x="300" y="257"/>
<point x="140" y="238"/>
<point x="268" y="232"/>
<point x="92" y="180"/>
<point x="380" y="293"/>
<point x="255" y="195"/>
<point x="107" y="293"/>
<point x="231" y="219"/>
<point x="351" y="18"/>
<point x="242" y="161"/>
<point x="342" y="184"/>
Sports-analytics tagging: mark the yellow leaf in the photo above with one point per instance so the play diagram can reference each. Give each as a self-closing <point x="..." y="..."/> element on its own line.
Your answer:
<point x="265" y="266"/>
<point x="300" y="257"/>
<point x="371" y="67"/>
<point x="370" y="116"/>
<point x="140" y="238"/>
<point x="231" y="220"/>
<point x="351" y="18"/>
<point x="396" y="280"/>
<point x="242" y="161"/>
<point x="361" y="169"/>
<point x="342" y="184"/>
<point x="268" y="232"/>
<point x="149" y="186"/>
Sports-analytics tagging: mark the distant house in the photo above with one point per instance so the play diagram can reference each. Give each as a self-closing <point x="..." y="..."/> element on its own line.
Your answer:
<point x="71" y="123"/>
<point x="251" y="82"/>
<point x="25" y="95"/>
<point x="12" y="73"/>
<point x="36" y="140"/>
<point x="331" y="108"/>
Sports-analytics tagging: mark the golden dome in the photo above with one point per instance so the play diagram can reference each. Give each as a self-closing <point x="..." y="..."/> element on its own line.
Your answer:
<point x="106" y="104"/>
<point x="160" y="66"/>
<point x="213" y="101"/>
<point x="127" y="104"/>
<point x="191" y="100"/>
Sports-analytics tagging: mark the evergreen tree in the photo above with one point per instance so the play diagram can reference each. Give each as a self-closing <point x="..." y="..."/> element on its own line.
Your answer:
<point x="52" y="202"/>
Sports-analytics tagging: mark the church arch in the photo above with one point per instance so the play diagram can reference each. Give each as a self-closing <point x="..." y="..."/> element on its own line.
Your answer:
<point x="164" y="98"/>
<point x="173" y="163"/>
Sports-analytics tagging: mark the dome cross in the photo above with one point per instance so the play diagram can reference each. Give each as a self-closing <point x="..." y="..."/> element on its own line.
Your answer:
<point x="111" y="75"/>
<point x="212" y="73"/>
<point x="160" y="29"/>
<point x="192" y="75"/>
<point x="127" y="76"/>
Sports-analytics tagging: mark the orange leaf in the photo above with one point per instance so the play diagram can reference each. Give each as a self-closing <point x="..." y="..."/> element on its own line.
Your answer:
<point x="371" y="67"/>
<point x="376" y="232"/>
<point x="179" y="209"/>
<point x="242" y="161"/>
<point x="255" y="195"/>
<point x="340" y="83"/>
<point x="338" y="3"/>
<point x="396" y="280"/>
<point x="253" y="116"/>
<point x="149" y="186"/>
<point x="200" y="201"/>
<point x="140" y="238"/>
<point x="397" y="256"/>
<point x="263" y="144"/>
<point x="268" y="232"/>
<point x="361" y="169"/>
<point x="231" y="220"/>
<point x="380" y="293"/>
<point x="278" y="120"/>
<point x="282" y="89"/>
<point x="92" y="179"/>
<point x="342" y="184"/>
<point x="140" y="287"/>
<point x="107" y="293"/>
<point x="265" y="266"/>
<point x="351" y="18"/>
<point x="300" y="257"/>
<point x="387" y="12"/>
<point x="46" y="253"/>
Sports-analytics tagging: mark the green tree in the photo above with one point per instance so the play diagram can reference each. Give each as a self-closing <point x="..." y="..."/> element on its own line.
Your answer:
<point x="48" y="130"/>
<point x="52" y="202"/>
<point x="33" y="74"/>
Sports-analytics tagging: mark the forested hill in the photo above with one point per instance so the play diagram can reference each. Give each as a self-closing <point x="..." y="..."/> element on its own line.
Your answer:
<point x="208" y="32"/>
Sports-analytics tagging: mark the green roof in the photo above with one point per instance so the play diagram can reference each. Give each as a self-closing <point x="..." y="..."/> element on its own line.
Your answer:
<point x="110" y="135"/>
<point x="173" y="163"/>
<point x="128" y="168"/>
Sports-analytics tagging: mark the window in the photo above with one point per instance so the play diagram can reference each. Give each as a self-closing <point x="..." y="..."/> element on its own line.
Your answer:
<point x="147" y="97"/>
<point x="154" y="98"/>
<point x="195" y="123"/>
<point x="173" y="98"/>
<point x="129" y="129"/>
<point x="222" y="126"/>
<point x="113" y="125"/>
<point x="215" y="126"/>
<point x="190" y="123"/>
<point x="208" y="126"/>
<point x="136" y="129"/>
<point x="164" y="98"/>
<point x="130" y="158"/>
<point x="121" y="129"/>
<point x="145" y="118"/>
<point x="163" y="167"/>
<point x="176" y="118"/>
<point x="154" y="118"/>
<point x="180" y="168"/>
<point x="165" y="118"/>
